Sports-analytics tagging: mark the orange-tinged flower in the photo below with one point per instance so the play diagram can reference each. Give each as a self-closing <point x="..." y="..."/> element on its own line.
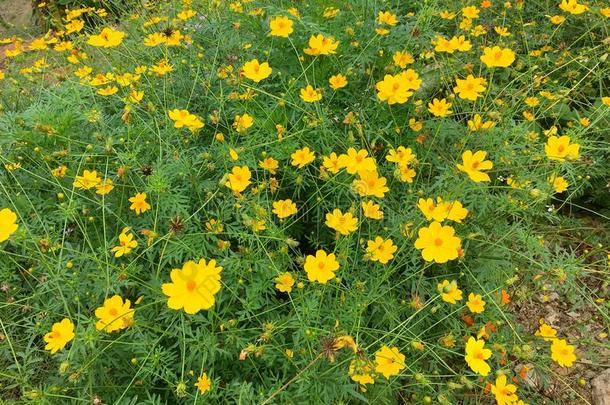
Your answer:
<point x="138" y="203"/>
<point x="389" y="361"/>
<point x="438" y="243"/>
<point x="269" y="164"/>
<point x="114" y="315"/>
<point x="475" y="165"/>
<point x="8" y="223"/>
<point x="361" y="371"/>
<point x="256" y="71"/>
<point x="331" y="163"/>
<point x="497" y="57"/>
<point x="193" y="287"/>
<point x="61" y="334"/>
<point x="321" y="267"/>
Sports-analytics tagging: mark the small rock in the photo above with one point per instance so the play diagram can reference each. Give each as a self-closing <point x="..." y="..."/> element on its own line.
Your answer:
<point x="601" y="388"/>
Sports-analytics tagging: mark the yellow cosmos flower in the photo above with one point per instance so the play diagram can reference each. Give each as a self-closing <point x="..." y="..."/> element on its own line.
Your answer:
<point x="284" y="208"/>
<point x="269" y="164"/>
<point x="242" y="122"/>
<point x="256" y="71"/>
<point x="504" y="393"/>
<point x="204" y="383"/>
<point x="239" y="179"/>
<point x="183" y="118"/>
<point x="470" y="88"/>
<point x="310" y="95"/>
<point x="331" y="163"/>
<point x="321" y="45"/>
<point x="562" y="353"/>
<point x="61" y="334"/>
<point x="371" y="210"/>
<point x="321" y="267"/>
<point x="369" y="183"/>
<point x="573" y="7"/>
<point x="8" y="224"/>
<point x="402" y="59"/>
<point x="126" y="243"/>
<point x="559" y="183"/>
<point x="89" y="179"/>
<point x="396" y="89"/>
<point x="449" y="291"/>
<point x="340" y="222"/>
<point x="497" y="57"/>
<point x="546" y="332"/>
<point x="302" y="157"/>
<point x="381" y="250"/>
<point x="439" y="108"/>
<point x="475" y="303"/>
<point x="560" y="148"/>
<point x="389" y="361"/>
<point x="438" y="243"/>
<point x="476" y="355"/>
<point x="193" y="287"/>
<point x="356" y="161"/>
<point x="114" y="315"/>
<point x="386" y="17"/>
<point x="361" y="371"/>
<point x="138" y="203"/>
<point x="470" y="12"/>
<point x="474" y="165"/>
<point x="280" y="27"/>
<point x="284" y="282"/>
<point x="337" y="81"/>
<point x="108" y="38"/>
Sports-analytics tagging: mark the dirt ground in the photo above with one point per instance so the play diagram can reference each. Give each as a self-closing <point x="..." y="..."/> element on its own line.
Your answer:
<point x="14" y="16"/>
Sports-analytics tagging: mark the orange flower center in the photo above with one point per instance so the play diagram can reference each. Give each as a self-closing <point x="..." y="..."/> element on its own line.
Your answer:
<point x="321" y="265"/>
<point x="561" y="148"/>
<point x="475" y="164"/>
<point x="191" y="285"/>
<point x="55" y="335"/>
<point x="438" y="242"/>
<point x="113" y="312"/>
